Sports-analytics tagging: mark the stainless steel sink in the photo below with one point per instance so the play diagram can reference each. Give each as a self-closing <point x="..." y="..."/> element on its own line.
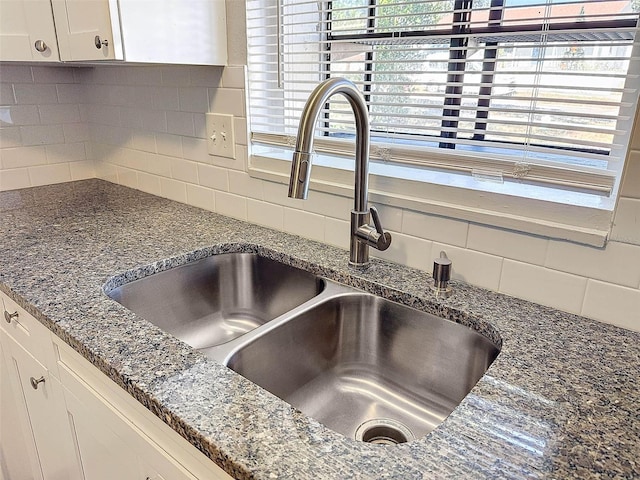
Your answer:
<point x="366" y="367"/>
<point x="219" y="298"/>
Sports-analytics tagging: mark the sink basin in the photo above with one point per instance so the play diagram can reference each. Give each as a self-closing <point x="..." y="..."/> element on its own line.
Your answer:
<point x="214" y="300"/>
<point x="366" y="367"/>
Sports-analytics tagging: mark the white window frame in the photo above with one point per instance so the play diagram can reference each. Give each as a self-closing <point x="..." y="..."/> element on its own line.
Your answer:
<point x="480" y="197"/>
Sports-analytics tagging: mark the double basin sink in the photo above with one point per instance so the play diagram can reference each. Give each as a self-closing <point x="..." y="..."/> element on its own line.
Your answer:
<point x="366" y="367"/>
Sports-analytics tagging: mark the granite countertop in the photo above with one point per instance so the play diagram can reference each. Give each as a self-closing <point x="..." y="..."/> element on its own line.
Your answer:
<point x="562" y="400"/>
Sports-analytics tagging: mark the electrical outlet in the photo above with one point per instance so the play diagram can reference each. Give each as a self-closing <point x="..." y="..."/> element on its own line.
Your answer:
<point x="221" y="141"/>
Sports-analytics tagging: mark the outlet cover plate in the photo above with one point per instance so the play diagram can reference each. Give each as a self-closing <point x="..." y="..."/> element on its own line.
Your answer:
<point x="221" y="140"/>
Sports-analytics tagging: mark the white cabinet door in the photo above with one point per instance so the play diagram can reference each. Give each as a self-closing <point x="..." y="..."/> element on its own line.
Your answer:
<point x="41" y="400"/>
<point x="27" y="31"/>
<point x="103" y="455"/>
<point x="18" y="457"/>
<point x="87" y="29"/>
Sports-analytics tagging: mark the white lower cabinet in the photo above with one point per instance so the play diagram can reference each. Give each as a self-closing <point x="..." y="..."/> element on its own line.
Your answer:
<point x="68" y="421"/>
<point x="17" y="449"/>
<point x="40" y="408"/>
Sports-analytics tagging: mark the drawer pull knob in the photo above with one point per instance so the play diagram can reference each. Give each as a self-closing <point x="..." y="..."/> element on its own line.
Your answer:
<point x="100" y="43"/>
<point x="36" y="382"/>
<point x="40" y="46"/>
<point x="10" y="316"/>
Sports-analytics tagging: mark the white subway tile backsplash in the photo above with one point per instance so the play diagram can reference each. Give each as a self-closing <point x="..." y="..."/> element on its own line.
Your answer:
<point x="76" y="132"/>
<point x="173" y="190"/>
<point x="16" y="74"/>
<point x="205" y="76"/>
<point x="267" y="214"/>
<point x="305" y="224"/>
<point x="83" y="170"/>
<point x="233" y="77"/>
<point x="612" y="304"/>
<point x="143" y="75"/>
<point x="213" y="177"/>
<point x="227" y="100"/>
<point x="618" y="263"/>
<point x="14" y="178"/>
<point x="199" y="125"/>
<point x="17" y="115"/>
<point x="408" y="250"/>
<point x="22" y="157"/>
<point x="145" y="141"/>
<point x="134" y="112"/>
<point x="184" y="170"/>
<point x="149" y="183"/>
<point x="195" y="149"/>
<point x="328" y="205"/>
<point x="49" y="174"/>
<point x="542" y="285"/>
<point x="10" y="137"/>
<point x="626" y="224"/>
<point x="180" y="123"/>
<point x="242" y="183"/>
<point x="59" y="113"/>
<point x="66" y="152"/>
<point x="231" y="205"/>
<point x="70" y="93"/>
<point x="6" y="94"/>
<point x="193" y="99"/>
<point x="630" y="185"/>
<point x="240" y="130"/>
<point x="165" y="98"/>
<point x="337" y="232"/>
<point x="508" y="244"/>
<point x="277" y="193"/>
<point x="41" y="134"/>
<point x="127" y="177"/>
<point x="470" y="266"/>
<point x="157" y="164"/>
<point x="153" y="120"/>
<point x="130" y="118"/>
<point x="434" y="227"/>
<point x="53" y="75"/>
<point x="175" y="75"/>
<point x="391" y="217"/>
<point x="30" y="94"/>
<point x="169" y="144"/>
<point x="201" y="197"/>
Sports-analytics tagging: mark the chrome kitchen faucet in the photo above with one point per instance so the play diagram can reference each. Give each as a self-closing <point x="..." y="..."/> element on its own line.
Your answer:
<point x="363" y="235"/>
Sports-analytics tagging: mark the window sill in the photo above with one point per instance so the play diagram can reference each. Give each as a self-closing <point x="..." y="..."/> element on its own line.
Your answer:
<point x="578" y="217"/>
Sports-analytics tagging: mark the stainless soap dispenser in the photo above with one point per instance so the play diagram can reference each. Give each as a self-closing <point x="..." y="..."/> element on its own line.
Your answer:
<point x="441" y="276"/>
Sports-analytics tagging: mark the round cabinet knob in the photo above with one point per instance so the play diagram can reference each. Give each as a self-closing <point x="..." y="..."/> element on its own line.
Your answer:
<point x="35" y="382"/>
<point x="10" y="316"/>
<point x="40" y="46"/>
<point x="100" y="43"/>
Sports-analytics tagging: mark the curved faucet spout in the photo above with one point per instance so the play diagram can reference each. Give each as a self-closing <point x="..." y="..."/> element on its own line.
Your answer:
<point x="301" y="167"/>
<point x="363" y="235"/>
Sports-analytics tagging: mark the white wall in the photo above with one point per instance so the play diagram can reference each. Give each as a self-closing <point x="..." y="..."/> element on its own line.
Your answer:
<point x="42" y="131"/>
<point x="146" y="126"/>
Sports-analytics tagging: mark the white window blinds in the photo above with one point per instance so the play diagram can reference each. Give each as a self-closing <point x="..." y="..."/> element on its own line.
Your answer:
<point x="543" y="91"/>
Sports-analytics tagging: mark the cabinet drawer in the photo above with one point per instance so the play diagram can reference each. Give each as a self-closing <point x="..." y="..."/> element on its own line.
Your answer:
<point x="28" y="332"/>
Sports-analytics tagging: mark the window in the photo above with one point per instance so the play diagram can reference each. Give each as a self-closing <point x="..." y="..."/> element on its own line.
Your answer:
<point x="535" y="91"/>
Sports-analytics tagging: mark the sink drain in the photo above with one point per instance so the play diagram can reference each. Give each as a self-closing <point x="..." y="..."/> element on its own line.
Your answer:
<point x="383" y="431"/>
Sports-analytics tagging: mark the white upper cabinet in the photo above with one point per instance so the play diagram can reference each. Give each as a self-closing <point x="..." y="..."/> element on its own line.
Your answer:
<point x="27" y="32"/>
<point x="87" y="29"/>
<point x="135" y="31"/>
<point x="142" y="31"/>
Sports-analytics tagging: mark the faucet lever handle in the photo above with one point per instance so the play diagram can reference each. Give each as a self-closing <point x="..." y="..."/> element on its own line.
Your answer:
<point x="375" y="216"/>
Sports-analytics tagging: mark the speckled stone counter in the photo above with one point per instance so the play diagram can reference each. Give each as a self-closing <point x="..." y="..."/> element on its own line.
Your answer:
<point x="562" y="400"/>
